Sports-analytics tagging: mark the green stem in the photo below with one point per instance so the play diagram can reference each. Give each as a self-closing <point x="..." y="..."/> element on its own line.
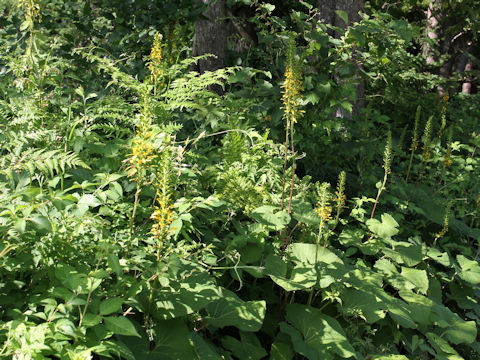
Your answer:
<point x="378" y="194"/>
<point x="135" y="204"/>
<point x="409" y="165"/>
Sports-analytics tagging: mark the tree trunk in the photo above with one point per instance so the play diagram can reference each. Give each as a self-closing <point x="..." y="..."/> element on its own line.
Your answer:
<point x="467" y="85"/>
<point x="439" y="45"/>
<point x="433" y="20"/>
<point x="327" y="15"/>
<point x="211" y="37"/>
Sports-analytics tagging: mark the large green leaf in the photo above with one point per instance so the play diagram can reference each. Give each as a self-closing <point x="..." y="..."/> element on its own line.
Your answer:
<point x="271" y="217"/>
<point x="204" y="350"/>
<point x="309" y="253"/>
<point x="461" y="332"/>
<point x="420" y="306"/>
<point x="385" y="229"/>
<point x="418" y="278"/>
<point x="470" y="270"/>
<point x="300" y="345"/>
<point x="320" y="332"/>
<point x="232" y="311"/>
<point x="184" y="298"/>
<point x="249" y="348"/>
<point x="281" y="351"/>
<point x="306" y="273"/>
<point x="303" y="212"/>
<point x="354" y="237"/>
<point x="400" y="313"/>
<point x="405" y="253"/>
<point x="171" y="342"/>
<point x="363" y="304"/>
<point x="442" y="347"/>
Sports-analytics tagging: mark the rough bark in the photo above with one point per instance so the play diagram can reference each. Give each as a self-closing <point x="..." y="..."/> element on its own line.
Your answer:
<point x="432" y="28"/>
<point x="467" y="85"/>
<point x="211" y="36"/>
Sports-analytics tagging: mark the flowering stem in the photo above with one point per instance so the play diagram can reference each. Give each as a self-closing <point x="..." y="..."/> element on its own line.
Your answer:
<point x="285" y="167"/>
<point x="135" y="204"/>
<point x="378" y="194"/>
<point x="409" y="166"/>
<point x="293" y="172"/>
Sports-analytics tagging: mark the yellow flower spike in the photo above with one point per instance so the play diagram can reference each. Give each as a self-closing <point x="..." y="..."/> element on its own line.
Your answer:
<point x="292" y="86"/>
<point x="427" y="138"/>
<point x="32" y="9"/>
<point x="156" y="57"/>
<point x="445" y="222"/>
<point x="323" y="209"/>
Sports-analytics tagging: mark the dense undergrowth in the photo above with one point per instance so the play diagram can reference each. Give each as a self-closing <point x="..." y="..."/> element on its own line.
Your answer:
<point x="142" y="216"/>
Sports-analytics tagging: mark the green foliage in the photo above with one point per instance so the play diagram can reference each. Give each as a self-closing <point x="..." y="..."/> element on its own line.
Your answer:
<point x="142" y="217"/>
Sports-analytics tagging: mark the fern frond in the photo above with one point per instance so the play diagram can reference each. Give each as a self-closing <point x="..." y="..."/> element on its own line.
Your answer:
<point x="185" y="92"/>
<point x="47" y="162"/>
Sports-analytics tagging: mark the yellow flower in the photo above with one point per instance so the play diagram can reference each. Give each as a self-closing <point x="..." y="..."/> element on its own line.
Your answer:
<point x="156" y="56"/>
<point x="324" y="213"/>
<point x="292" y="86"/>
<point x="292" y="94"/>
<point x="32" y="9"/>
<point x="162" y="216"/>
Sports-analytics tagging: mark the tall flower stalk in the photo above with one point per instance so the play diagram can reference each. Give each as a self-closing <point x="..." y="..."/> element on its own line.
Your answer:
<point x="323" y="210"/>
<point x="387" y="163"/>
<point x="414" y="145"/>
<point x="292" y="103"/>
<point x="427" y="145"/>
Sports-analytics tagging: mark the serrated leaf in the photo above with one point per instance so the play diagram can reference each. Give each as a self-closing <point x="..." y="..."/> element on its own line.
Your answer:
<point x="385" y="229"/>
<point x="417" y="277"/>
<point x="66" y="327"/>
<point x="120" y="325"/>
<point x="90" y="320"/>
<point x="41" y="223"/>
<point x="89" y="200"/>
<point x="109" y="306"/>
<point x="114" y="263"/>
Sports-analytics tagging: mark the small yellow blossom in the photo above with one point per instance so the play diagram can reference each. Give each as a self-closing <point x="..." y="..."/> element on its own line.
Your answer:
<point x="32" y="9"/>
<point x="324" y="213"/>
<point x="292" y="86"/>
<point x="156" y="56"/>
<point x="162" y="216"/>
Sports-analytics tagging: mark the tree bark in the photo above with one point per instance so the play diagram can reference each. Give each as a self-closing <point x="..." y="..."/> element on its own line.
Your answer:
<point x="467" y="85"/>
<point x="211" y="36"/>
<point x="433" y="21"/>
